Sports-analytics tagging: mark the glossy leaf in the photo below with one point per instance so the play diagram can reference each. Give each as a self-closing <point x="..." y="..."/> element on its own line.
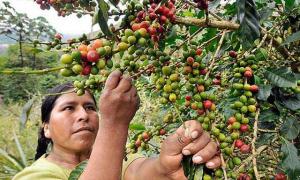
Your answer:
<point x="249" y="21"/>
<point x="290" y="128"/>
<point x="292" y="38"/>
<point x="101" y="17"/>
<point x="25" y="112"/>
<point x="136" y="126"/>
<point x="291" y="162"/>
<point x="264" y="92"/>
<point x="281" y="77"/>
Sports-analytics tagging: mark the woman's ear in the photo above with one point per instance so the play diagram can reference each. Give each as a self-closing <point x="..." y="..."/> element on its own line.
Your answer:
<point x="47" y="131"/>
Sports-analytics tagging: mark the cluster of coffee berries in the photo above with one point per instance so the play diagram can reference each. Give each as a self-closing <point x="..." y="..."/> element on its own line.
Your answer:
<point x="155" y="20"/>
<point x="87" y="59"/>
<point x="134" y="38"/>
<point x="142" y="139"/>
<point x="66" y="7"/>
<point x="169" y="83"/>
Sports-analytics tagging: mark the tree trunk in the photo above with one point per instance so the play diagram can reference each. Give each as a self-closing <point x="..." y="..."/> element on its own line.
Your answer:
<point x="21" y="52"/>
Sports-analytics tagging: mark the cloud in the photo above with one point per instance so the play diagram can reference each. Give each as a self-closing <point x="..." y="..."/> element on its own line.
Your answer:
<point x="70" y="25"/>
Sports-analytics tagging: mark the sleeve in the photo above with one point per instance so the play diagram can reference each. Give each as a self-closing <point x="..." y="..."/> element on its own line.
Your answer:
<point x="130" y="159"/>
<point x="35" y="174"/>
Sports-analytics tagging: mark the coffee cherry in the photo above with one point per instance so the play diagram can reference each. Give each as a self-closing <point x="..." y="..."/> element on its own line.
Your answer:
<point x="238" y="143"/>
<point x="77" y="68"/>
<point x="236" y="125"/>
<point x="66" y="59"/>
<point x="66" y="72"/>
<point x="245" y="148"/>
<point x="251" y="108"/>
<point x="172" y="97"/>
<point x="131" y="39"/>
<point x="86" y="70"/>
<point x="199" y="51"/>
<point x="254" y="88"/>
<point x="166" y="70"/>
<point x="244" y="128"/>
<point x="248" y="74"/>
<point x="238" y="86"/>
<point x="233" y="54"/>
<point x="280" y="176"/>
<point x="92" y="56"/>
<point x="122" y="46"/>
<point x="207" y="104"/>
<point x="145" y="136"/>
<point x="231" y="120"/>
<point x="138" y="143"/>
<point x="162" y="132"/>
<point x="236" y="161"/>
<point x="244" y="177"/>
<point x="188" y="98"/>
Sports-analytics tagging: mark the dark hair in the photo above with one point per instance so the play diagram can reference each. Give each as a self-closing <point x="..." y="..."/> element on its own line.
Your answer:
<point x="46" y="109"/>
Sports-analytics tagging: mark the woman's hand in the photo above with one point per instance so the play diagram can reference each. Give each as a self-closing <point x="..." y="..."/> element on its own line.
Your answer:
<point x="190" y="141"/>
<point x="119" y="100"/>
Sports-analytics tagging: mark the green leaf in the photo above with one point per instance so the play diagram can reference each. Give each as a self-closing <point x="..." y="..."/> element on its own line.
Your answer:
<point x="290" y="4"/>
<point x="199" y="173"/>
<point x="264" y="92"/>
<point x="249" y="21"/>
<point x="75" y="174"/>
<point x="20" y="149"/>
<point x="268" y="116"/>
<point x="11" y="159"/>
<point x="264" y="138"/>
<point x="136" y="126"/>
<point x="101" y="17"/>
<point x="172" y="37"/>
<point x="25" y="112"/>
<point x="291" y="162"/>
<point x="292" y="38"/>
<point x="290" y="128"/>
<point x="291" y="102"/>
<point x="114" y="2"/>
<point x="283" y="77"/>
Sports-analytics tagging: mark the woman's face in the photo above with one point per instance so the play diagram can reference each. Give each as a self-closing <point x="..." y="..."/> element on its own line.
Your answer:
<point x="73" y="123"/>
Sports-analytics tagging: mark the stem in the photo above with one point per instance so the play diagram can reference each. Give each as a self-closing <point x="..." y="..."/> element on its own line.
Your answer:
<point x="215" y="55"/>
<point x="253" y="146"/>
<point x="189" y="38"/>
<point x="42" y="71"/>
<point x="223" y="166"/>
<point x="202" y="23"/>
<point x="210" y="40"/>
<point x="247" y="161"/>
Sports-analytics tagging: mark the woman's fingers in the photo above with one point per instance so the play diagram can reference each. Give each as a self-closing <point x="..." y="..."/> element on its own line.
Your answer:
<point x="182" y="137"/>
<point x="206" y="154"/>
<point x="113" y="80"/>
<point x="196" y="145"/>
<point x="214" y="163"/>
<point x="125" y="84"/>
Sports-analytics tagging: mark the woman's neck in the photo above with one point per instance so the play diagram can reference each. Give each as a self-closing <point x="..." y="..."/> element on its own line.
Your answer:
<point x="66" y="158"/>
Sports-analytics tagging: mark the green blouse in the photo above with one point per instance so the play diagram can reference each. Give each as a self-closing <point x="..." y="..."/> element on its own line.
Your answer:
<point x="43" y="169"/>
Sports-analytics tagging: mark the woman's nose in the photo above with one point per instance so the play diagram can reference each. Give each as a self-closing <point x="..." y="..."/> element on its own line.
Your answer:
<point x="82" y="114"/>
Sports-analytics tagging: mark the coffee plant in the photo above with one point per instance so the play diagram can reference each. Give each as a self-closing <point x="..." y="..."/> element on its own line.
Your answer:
<point x="233" y="66"/>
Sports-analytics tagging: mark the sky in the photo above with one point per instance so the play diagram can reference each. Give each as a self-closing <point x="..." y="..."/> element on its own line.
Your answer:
<point x="69" y="25"/>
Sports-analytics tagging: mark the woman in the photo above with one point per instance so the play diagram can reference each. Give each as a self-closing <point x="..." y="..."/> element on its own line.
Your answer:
<point x="72" y="125"/>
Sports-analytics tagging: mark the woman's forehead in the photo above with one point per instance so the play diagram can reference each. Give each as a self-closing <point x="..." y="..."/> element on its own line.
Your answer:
<point x="73" y="98"/>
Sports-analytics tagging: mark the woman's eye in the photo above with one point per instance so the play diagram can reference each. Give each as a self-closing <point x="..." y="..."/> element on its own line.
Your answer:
<point x="69" y="108"/>
<point x="91" y="108"/>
